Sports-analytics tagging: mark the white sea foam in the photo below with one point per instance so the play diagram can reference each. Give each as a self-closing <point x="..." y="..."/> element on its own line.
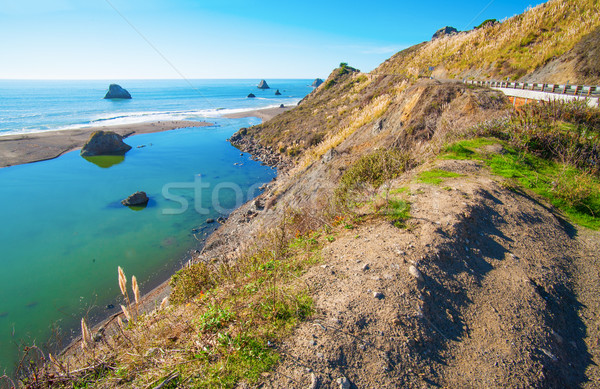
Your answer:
<point x="123" y="118"/>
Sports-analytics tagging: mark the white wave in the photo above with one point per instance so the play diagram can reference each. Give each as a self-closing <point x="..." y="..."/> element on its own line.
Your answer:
<point x="121" y="118"/>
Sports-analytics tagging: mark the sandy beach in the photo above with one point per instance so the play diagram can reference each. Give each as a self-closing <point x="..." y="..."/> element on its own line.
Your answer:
<point x="40" y="146"/>
<point x="264" y="114"/>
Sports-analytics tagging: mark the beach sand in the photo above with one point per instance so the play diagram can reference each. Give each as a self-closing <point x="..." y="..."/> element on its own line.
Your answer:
<point x="264" y="114"/>
<point x="40" y="146"/>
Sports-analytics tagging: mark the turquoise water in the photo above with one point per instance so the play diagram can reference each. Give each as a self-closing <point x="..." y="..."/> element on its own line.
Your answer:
<point x="64" y="231"/>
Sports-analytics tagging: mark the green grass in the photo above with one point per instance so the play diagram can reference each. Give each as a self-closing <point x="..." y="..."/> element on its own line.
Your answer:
<point x="572" y="190"/>
<point x="398" y="212"/>
<point x="435" y="176"/>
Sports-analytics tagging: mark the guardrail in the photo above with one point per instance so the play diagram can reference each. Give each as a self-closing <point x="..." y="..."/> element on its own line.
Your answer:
<point x="571" y="90"/>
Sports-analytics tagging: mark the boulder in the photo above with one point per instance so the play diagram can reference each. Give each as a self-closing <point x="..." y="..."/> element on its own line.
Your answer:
<point x="251" y="96"/>
<point x="263" y="85"/>
<point x="136" y="199"/>
<point x="317" y="82"/>
<point x="117" y="92"/>
<point x="444" y="31"/>
<point x="104" y="143"/>
<point x="277" y="93"/>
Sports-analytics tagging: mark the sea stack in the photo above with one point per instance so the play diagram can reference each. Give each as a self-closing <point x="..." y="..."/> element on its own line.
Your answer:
<point x="263" y="85"/>
<point x="277" y="93"/>
<point x="251" y="96"/>
<point x="104" y="143"/>
<point x="317" y="82"/>
<point x="117" y="92"/>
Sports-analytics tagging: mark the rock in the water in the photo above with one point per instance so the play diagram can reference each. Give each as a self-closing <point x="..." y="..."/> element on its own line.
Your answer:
<point x="316" y="83"/>
<point x="251" y="96"/>
<point x="117" y="92"/>
<point x="263" y="85"/>
<point x="104" y="143"/>
<point x="444" y="31"/>
<point x="209" y="221"/>
<point x="138" y="198"/>
<point x="277" y="93"/>
<point x="281" y="106"/>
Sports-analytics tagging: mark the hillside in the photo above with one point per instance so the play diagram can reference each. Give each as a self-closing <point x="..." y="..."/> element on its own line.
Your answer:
<point x="556" y="32"/>
<point x="420" y="233"/>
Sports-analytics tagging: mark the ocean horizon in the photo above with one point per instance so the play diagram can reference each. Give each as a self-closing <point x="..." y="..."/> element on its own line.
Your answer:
<point x="30" y="106"/>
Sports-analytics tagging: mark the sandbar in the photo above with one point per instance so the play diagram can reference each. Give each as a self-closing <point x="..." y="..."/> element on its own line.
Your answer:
<point x="40" y="146"/>
<point x="264" y="114"/>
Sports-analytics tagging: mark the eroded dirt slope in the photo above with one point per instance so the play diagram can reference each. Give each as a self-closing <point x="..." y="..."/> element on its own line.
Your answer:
<point x="507" y="297"/>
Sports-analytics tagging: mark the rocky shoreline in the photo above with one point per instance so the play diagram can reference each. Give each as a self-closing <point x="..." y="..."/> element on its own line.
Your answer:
<point x="260" y="153"/>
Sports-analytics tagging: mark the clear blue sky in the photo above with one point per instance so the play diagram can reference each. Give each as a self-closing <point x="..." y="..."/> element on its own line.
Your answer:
<point x="88" y="39"/>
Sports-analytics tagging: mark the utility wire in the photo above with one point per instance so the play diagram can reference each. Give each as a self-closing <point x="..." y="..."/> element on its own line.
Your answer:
<point x="475" y="18"/>
<point x="159" y="53"/>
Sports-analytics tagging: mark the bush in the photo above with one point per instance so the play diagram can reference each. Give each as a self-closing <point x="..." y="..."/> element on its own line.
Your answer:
<point x="189" y="282"/>
<point x="370" y="172"/>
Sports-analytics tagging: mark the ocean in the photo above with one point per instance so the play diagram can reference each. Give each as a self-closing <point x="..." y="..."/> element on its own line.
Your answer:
<point x="64" y="232"/>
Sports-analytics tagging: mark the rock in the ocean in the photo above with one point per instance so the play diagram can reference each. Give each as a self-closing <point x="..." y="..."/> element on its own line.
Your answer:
<point x="104" y="143"/>
<point x="117" y="92"/>
<point x="444" y="31"/>
<point x="281" y="106"/>
<point x="277" y="93"/>
<point x="138" y="198"/>
<point x="317" y="82"/>
<point x="263" y="85"/>
<point x="251" y="96"/>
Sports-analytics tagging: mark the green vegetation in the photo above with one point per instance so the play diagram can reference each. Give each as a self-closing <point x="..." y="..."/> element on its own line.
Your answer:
<point x="435" y="176"/>
<point x="572" y="190"/>
<point x="223" y="320"/>
<point x="485" y="22"/>
<point x="397" y="212"/>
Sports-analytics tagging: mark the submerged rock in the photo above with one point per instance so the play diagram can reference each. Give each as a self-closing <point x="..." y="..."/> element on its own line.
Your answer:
<point x="136" y="199"/>
<point x="117" y="92"/>
<point x="104" y="143"/>
<point x="317" y="82"/>
<point x="263" y="85"/>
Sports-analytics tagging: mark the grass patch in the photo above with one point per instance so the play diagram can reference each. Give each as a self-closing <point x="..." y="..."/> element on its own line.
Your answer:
<point x="573" y="190"/>
<point x="397" y="212"/>
<point x="435" y="176"/>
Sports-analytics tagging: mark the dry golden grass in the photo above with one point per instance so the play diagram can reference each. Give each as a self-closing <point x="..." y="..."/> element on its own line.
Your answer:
<point x="359" y="118"/>
<point x="516" y="46"/>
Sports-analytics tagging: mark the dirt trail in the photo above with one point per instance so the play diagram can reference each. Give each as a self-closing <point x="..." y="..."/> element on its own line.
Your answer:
<point x="505" y="296"/>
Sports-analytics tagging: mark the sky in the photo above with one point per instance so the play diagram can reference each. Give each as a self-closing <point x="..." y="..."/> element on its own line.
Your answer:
<point x="166" y="39"/>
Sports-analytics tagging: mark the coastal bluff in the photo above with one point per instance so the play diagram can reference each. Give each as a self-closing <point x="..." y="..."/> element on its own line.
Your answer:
<point x="117" y="92"/>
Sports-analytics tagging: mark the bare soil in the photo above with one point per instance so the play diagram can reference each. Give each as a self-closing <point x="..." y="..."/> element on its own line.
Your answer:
<point x="508" y="296"/>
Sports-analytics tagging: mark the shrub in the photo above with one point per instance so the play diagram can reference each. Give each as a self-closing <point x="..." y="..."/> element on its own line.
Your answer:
<point x="190" y="282"/>
<point x="370" y="172"/>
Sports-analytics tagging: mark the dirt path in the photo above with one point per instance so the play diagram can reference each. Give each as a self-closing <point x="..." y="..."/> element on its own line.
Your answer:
<point x="505" y="296"/>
